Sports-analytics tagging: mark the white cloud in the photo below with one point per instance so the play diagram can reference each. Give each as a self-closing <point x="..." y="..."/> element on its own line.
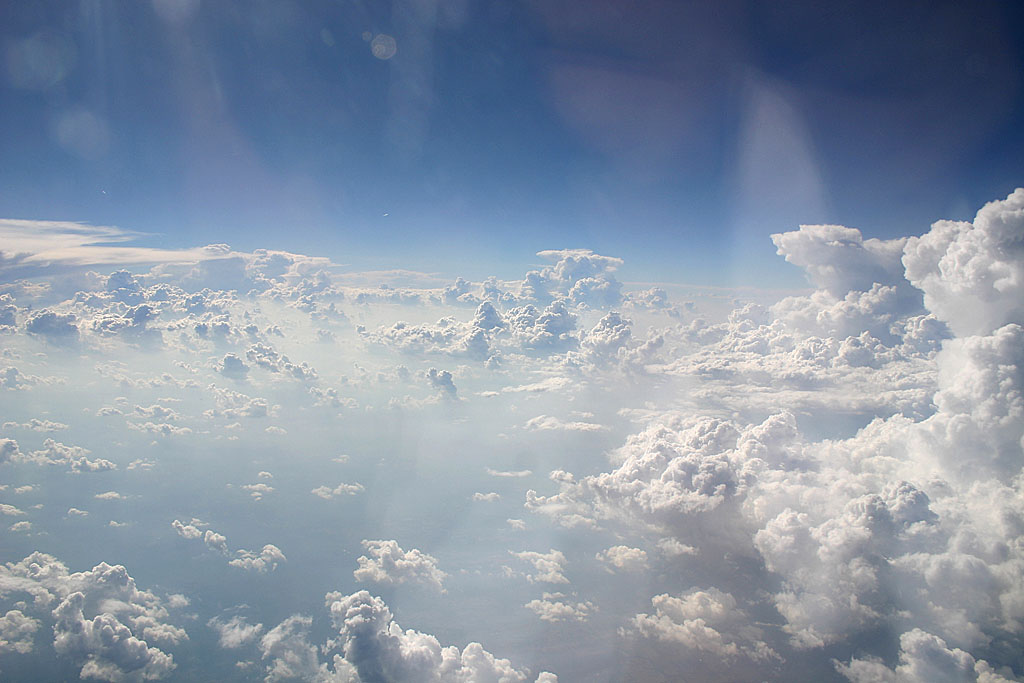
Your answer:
<point x="551" y="423"/>
<point x="266" y="560"/>
<point x="547" y="567"/>
<point x="386" y="563"/>
<point x="258" y="491"/>
<point x="705" y="620"/>
<point x="235" y="632"/>
<point x="923" y="657"/>
<point x="972" y="274"/>
<point x="32" y="247"/>
<point x="555" y="607"/>
<point x="624" y="558"/>
<point x="74" y="457"/>
<point x="513" y="474"/>
<point x="343" y="489"/>
<point x="796" y="479"/>
<point x="100" y="619"/>
<point x="17" y="632"/>
<point x="379" y="649"/>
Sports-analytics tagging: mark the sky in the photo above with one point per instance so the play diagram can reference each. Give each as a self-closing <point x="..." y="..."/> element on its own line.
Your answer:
<point x="676" y="135"/>
<point x="467" y="342"/>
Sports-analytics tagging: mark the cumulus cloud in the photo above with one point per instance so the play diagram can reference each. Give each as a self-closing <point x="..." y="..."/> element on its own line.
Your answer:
<point x="99" y="618"/>
<point x="923" y="657"/>
<point x="235" y="632"/>
<point x="343" y="489"/>
<point x="75" y="458"/>
<point x="386" y="563"/>
<point x="17" y="632"/>
<point x="547" y="567"/>
<point x="379" y="649"/>
<point x="554" y="607"/>
<point x="442" y="381"/>
<point x="624" y="558"/>
<point x="705" y="620"/>
<point x="766" y="483"/>
<point x="972" y="274"/>
<point x="838" y="259"/>
<point x="266" y="560"/>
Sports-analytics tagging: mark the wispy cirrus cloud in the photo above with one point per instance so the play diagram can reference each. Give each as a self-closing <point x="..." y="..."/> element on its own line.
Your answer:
<point x="32" y="247"/>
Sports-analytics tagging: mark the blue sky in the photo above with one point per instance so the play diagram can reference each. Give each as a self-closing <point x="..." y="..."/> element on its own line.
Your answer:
<point x="677" y="136"/>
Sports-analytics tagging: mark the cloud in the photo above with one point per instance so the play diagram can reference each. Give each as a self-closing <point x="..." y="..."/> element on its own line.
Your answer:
<point x="343" y="489"/>
<point x="839" y="260"/>
<point x="386" y="563"/>
<point x="833" y="475"/>
<point x="513" y="474"/>
<point x="624" y="558"/>
<point x="972" y="274"/>
<point x="555" y="607"/>
<point x="704" y="620"/>
<point x="922" y="657"/>
<point x="547" y="567"/>
<point x="258" y="491"/>
<point x="379" y="649"/>
<point x="74" y="457"/>
<point x="266" y="560"/>
<point x="58" y="327"/>
<point x="235" y="632"/>
<point x="17" y="632"/>
<point x="442" y="381"/>
<point x="100" y="619"/>
<point x="37" y="425"/>
<point x="551" y="423"/>
<point x="31" y="248"/>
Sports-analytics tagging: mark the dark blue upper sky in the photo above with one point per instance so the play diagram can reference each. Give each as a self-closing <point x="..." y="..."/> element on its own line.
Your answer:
<point x="675" y="135"/>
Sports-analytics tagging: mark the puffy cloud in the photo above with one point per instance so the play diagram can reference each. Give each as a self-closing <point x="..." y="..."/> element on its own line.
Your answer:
<point x="624" y="558"/>
<point x="839" y="260"/>
<point x="257" y="491"/>
<point x="343" y="489"/>
<point x="74" y="457"/>
<point x="923" y="657"/>
<point x="37" y="425"/>
<point x="188" y="531"/>
<point x="265" y="560"/>
<point x="972" y="274"/>
<point x="385" y="562"/>
<point x="555" y="607"/>
<point x="265" y="356"/>
<point x="446" y="336"/>
<point x="234" y="632"/>
<point x="215" y="541"/>
<point x="547" y="567"/>
<point x="704" y="620"/>
<point x="17" y="632"/>
<point x="233" y="367"/>
<point x="380" y="650"/>
<point x="108" y="646"/>
<point x="442" y="381"/>
<point x="9" y="450"/>
<point x="10" y="510"/>
<point x="58" y="327"/>
<point x="100" y="618"/>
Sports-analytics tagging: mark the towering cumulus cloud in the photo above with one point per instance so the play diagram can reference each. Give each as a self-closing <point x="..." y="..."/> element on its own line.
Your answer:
<point x="557" y="477"/>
